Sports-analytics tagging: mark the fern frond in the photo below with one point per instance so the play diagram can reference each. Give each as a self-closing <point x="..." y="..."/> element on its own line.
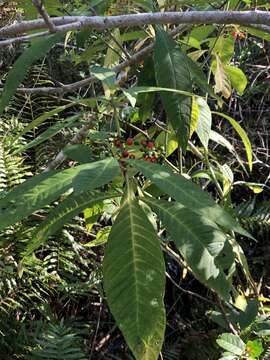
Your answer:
<point x="58" y="343"/>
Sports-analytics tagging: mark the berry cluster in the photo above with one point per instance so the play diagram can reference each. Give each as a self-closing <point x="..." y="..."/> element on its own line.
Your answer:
<point x="127" y="147"/>
<point x="238" y="35"/>
<point x="149" y="150"/>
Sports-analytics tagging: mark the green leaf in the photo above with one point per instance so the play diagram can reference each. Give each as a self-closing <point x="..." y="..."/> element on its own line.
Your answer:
<point x="47" y="134"/>
<point x="134" y="281"/>
<point x="243" y="135"/>
<point x="258" y="33"/>
<point x="62" y="214"/>
<point x="194" y="116"/>
<point x="204" y="123"/>
<point x="232" y="343"/>
<point x="197" y="75"/>
<point x="223" y="48"/>
<point x="199" y="241"/>
<point x="188" y="194"/>
<point x="145" y="101"/>
<point x="201" y="32"/>
<point x="22" y="64"/>
<point x="101" y="237"/>
<point x="96" y="174"/>
<point x="43" y="189"/>
<point x="173" y="72"/>
<point x="133" y="92"/>
<point x="30" y="11"/>
<point x="262" y="326"/>
<point x="237" y="78"/>
<point x="91" y="215"/>
<point x="107" y="76"/>
<point x="255" y="348"/>
<point x="114" y="51"/>
<point x="78" y="152"/>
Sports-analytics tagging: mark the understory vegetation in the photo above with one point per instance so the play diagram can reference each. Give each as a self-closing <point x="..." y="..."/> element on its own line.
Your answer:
<point x="134" y="185"/>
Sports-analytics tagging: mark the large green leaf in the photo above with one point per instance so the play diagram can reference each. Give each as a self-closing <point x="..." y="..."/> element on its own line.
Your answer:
<point x="96" y="174"/>
<point x="188" y="194"/>
<point x="173" y="72"/>
<point x="134" y="281"/>
<point x="202" y="244"/>
<point x="47" y="134"/>
<point x="63" y="213"/>
<point x="22" y="64"/>
<point x="41" y="190"/>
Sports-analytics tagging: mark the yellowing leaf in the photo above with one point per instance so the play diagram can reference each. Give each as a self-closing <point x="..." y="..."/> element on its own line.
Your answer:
<point x="223" y="84"/>
<point x="194" y="116"/>
<point x="243" y="135"/>
<point x="256" y="189"/>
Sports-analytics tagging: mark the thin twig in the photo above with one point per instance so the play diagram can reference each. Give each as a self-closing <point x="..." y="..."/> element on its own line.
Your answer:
<point x="190" y="292"/>
<point x="225" y="317"/>
<point x="41" y="9"/>
<point x="77" y="139"/>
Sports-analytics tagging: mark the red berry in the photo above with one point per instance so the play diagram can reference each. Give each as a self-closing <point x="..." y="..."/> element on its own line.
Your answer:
<point x="150" y="144"/>
<point x="125" y="154"/>
<point x="129" y="141"/>
<point x="147" y="158"/>
<point x="117" y="143"/>
<point x="153" y="159"/>
<point x="143" y="142"/>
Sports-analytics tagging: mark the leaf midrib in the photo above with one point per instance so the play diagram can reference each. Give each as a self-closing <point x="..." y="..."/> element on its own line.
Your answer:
<point x="189" y="230"/>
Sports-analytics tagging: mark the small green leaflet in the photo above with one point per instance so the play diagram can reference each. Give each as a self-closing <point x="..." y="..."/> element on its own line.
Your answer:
<point x="243" y="135"/>
<point x="232" y="343"/>
<point x="134" y="281"/>
<point x="19" y="70"/>
<point x="107" y="76"/>
<point x="204" y="122"/>
<point x="237" y="77"/>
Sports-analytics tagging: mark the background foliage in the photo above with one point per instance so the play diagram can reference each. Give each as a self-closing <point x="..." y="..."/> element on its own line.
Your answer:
<point x="193" y="116"/>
